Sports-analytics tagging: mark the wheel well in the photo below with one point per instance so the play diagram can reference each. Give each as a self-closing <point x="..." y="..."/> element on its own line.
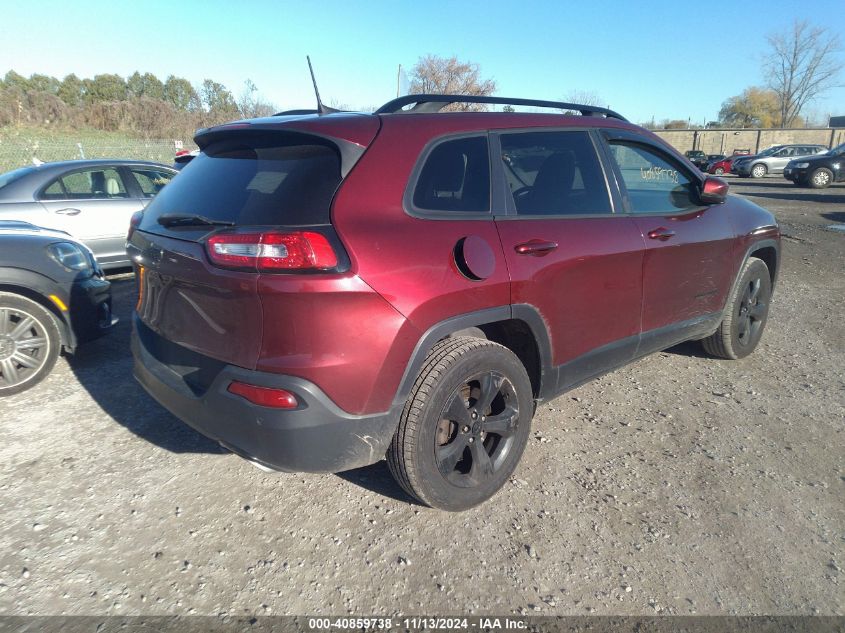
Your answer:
<point x="517" y="336"/>
<point x="769" y="256"/>
<point x="44" y="303"/>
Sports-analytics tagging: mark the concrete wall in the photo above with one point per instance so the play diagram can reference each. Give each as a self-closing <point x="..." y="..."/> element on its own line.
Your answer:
<point x="725" y="141"/>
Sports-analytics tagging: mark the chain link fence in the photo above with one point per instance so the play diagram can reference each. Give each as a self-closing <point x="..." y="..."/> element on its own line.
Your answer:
<point x="16" y="153"/>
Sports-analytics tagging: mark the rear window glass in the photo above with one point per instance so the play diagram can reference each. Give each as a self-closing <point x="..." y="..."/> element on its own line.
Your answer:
<point x="277" y="180"/>
<point x="11" y="176"/>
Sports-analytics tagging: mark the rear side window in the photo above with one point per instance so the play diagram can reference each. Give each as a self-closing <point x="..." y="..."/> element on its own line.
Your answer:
<point x="90" y="184"/>
<point x="455" y="177"/>
<point x="283" y="179"/>
<point x="151" y="181"/>
<point x="554" y="173"/>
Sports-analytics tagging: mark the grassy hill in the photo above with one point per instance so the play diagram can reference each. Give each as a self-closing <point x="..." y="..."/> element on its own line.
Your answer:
<point x="20" y="145"/>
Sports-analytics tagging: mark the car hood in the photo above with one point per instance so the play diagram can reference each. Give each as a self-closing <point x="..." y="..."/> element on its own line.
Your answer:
<point x="817" y="158"/>
<point x="20" y="229"/>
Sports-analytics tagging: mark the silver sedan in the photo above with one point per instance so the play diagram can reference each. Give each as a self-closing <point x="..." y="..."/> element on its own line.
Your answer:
<point x="92" y="200"/>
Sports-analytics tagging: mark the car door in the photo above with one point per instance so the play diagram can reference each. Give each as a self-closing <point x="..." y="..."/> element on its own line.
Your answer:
<point x="570" y="257"/>
<point x="94" y="205"/>
<point x="780" y="159"/>
<point x="687" y="267"/>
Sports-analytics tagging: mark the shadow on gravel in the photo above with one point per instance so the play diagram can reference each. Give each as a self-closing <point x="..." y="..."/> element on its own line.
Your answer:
<point x="690" y="348"/>
<point x="104" y="369"/>
<point x="377" y="479"/>
<point x="799" y="197"/>
<point x="835" y="216"/>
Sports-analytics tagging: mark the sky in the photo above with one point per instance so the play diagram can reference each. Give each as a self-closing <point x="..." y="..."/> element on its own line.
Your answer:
<point x="647" y="60"/>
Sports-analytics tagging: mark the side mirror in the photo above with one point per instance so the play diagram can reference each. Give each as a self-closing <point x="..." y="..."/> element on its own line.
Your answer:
<point x="714" y="191"/>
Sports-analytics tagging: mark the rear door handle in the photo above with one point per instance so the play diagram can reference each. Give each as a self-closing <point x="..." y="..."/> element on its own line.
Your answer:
<point x="661" y="234"/>
<point x="536" y="248"/>
<point x="69" y="211"/>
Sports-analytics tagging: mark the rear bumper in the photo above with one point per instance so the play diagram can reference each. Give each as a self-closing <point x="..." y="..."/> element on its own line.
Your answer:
<point x="317" y="436"/>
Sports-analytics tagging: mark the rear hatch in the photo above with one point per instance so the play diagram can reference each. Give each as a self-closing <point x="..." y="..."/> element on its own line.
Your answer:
<point x="255" y="201"/>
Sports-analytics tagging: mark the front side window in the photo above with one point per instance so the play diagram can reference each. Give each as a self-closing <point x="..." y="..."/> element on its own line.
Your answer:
<point x="554" y="173"/>
<point x="654" y="183"/>
<point x="455" y="177"/>
<point x="88" y="184"/>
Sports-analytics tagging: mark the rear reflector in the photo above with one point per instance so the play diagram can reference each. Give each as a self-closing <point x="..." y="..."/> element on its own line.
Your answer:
<point x="272" y="251"/>
<point x="264" y="396"/>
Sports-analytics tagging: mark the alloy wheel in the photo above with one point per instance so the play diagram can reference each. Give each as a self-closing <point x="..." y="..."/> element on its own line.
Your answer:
<point x="752" y="309"/>
<point x="24" y="346"/>
<point x="476" y="429"/>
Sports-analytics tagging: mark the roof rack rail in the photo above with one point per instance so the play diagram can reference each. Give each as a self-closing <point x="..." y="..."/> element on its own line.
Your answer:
<point x="424" y="103"/>
<point x="294" y="112"/>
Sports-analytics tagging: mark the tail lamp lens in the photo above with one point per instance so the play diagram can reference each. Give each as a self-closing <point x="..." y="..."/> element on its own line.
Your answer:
<point x="272" y="251"/>
<point x="264" y="396"/>
<point x="134" y="221"/>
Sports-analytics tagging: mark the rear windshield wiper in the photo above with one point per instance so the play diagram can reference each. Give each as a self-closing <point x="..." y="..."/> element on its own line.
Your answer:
<point x="181" y="219"/>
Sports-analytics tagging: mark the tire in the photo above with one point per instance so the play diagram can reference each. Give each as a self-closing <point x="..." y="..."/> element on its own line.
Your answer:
<point x="29" y="343"/>
<point x="820" y="178"/>
<point x="759" y="170"/>
<point x="718" y="171"/>
<point x="464" y="426"/>
<point x="745" y="315"/>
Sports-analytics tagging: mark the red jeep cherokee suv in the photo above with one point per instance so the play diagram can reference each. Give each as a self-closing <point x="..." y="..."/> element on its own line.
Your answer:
<point x="317" y="291"/>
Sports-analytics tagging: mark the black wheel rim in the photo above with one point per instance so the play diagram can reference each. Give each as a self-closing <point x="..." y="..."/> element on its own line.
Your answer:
<point x="476" y="430"/>
<point x="752" y="311"/>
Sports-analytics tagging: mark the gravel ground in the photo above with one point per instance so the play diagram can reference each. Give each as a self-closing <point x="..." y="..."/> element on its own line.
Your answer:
<point x="678" y="485"/>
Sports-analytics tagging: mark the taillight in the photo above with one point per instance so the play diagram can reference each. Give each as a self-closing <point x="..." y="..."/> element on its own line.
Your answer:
<point x="272" y="251"/>
<point x="134" y="221"/>
<point x="264" y="396"/>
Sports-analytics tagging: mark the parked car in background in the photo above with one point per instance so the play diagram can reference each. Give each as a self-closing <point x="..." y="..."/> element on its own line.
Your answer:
<point x="819" y="171"/>
<point x="697" y="157"/>
<point x="183" y="157"/>
<point x="721" y="166"/>
<point x="53" y="296"/>
<point x="92" y="200"/>
<point x="318" y="291"/>
<point x="712" y="158"/>
<point x="772" y="160"/>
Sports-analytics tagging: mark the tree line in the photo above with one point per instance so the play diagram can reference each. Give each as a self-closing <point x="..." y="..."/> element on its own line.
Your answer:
<point x="801" y="64"/>
<point x="141" y="104"/>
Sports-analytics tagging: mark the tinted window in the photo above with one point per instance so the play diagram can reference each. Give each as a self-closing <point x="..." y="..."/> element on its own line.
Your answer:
<point x="11" y="176"/>
<point x="151" y="181"/>
<point x="103" y="183"/>
<point x="554" y="173"/>
<point x="279" y="180"/>
<point x="654" y="183"/>
<point x="455" y="177"/>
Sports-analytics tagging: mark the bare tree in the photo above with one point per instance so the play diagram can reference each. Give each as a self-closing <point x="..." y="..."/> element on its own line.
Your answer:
<point x="585" y="97"/>
<point x="802" y="64"/>
<point x="251" y="104"/>
<point x="440" y="75"/>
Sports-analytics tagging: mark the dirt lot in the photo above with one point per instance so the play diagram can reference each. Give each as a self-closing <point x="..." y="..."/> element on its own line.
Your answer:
<point x="679" y="484"/>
